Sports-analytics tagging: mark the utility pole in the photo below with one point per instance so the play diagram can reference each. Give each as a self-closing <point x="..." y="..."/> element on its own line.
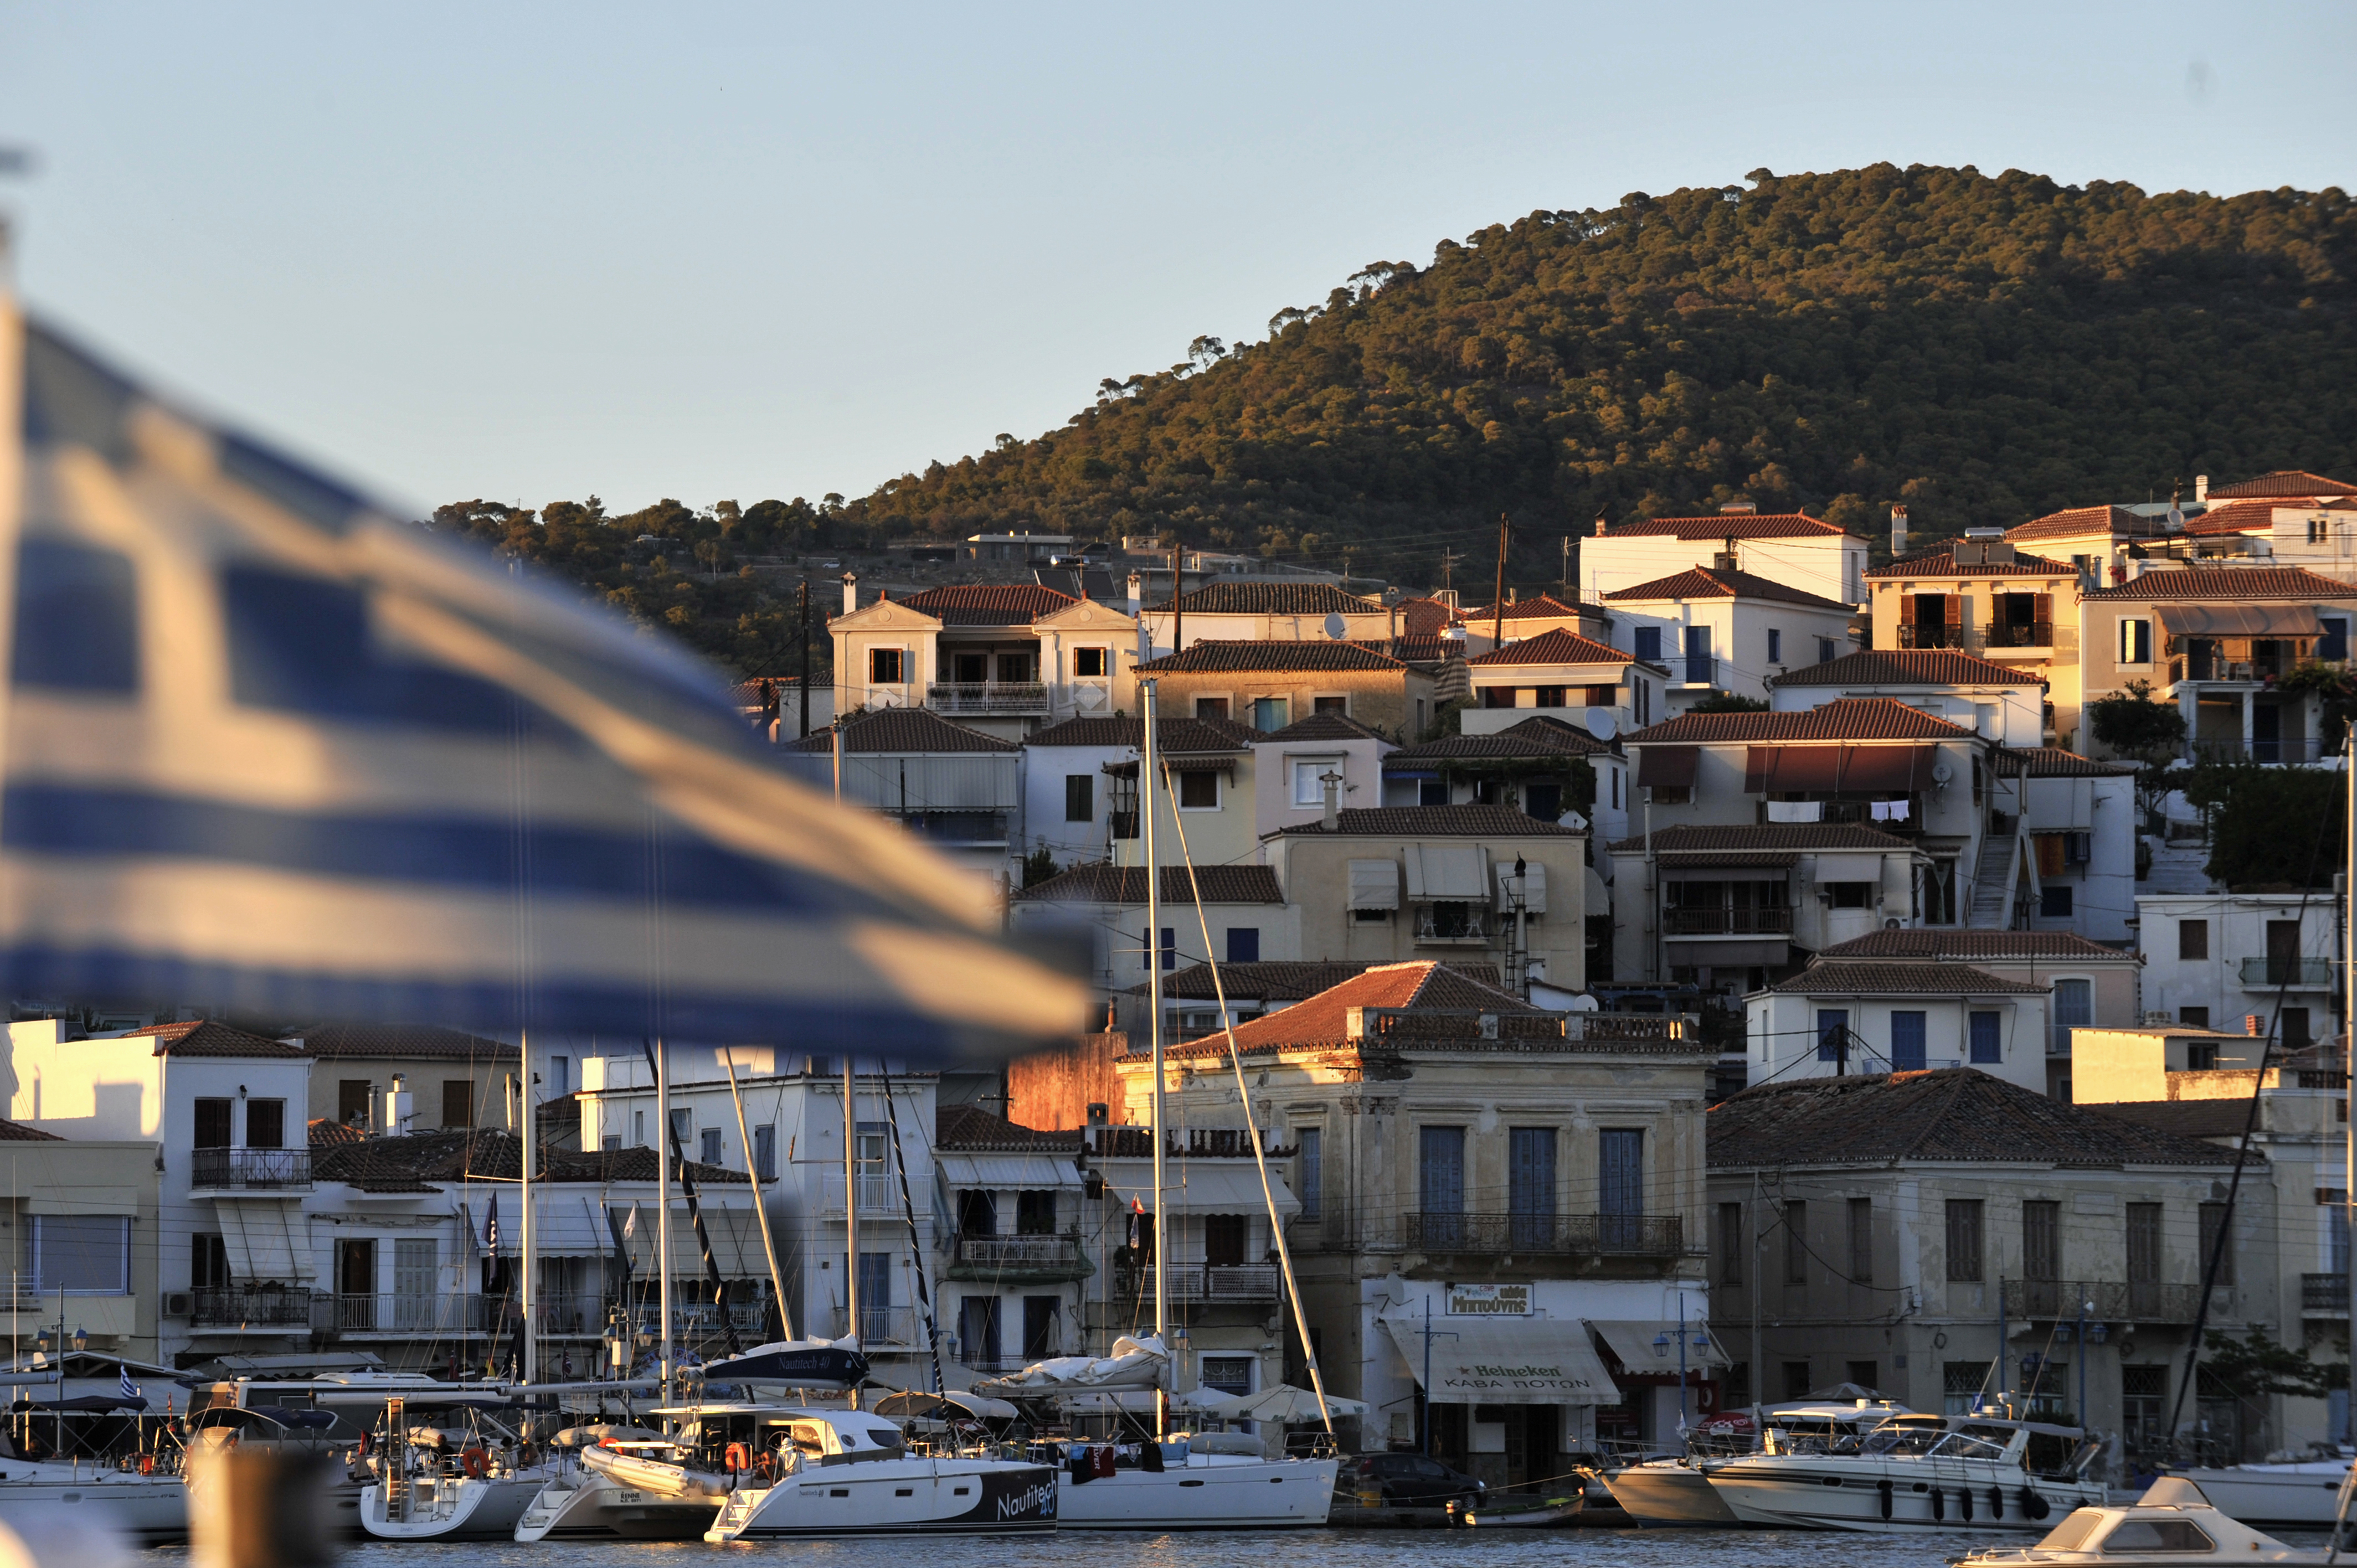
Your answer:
<point x="1498" y="603"/>
<point x="805" y="598"/>
<point x="1178" y="612"/>
<point x="1565" y="576"/>
<point x="1448" y="559"/>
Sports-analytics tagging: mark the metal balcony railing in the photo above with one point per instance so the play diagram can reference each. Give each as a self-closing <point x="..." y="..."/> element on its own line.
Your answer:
<point x="253" y="1305"/>
<point x="1699" y="669"/>
<point x="1019" y="1254"/>
<point x="1203" y="1282"/>
<point x="987" y="697"/>
<point x="404" y="1312"/>
<point x="1935" y="635"/>
<point x="250" y="1167"/>
<point x="2301" y="973"/>
<point x="2017" y="634"/>
<point x="1559" y="1235"/>
<point x="2111" y="1300"/>
<point x="980" y="827"/>
<point x="1726" y="922"/>
<point x="1460" y="924"/>
<point x="2324" y="1294"/>
<point x="881" y="1325"/>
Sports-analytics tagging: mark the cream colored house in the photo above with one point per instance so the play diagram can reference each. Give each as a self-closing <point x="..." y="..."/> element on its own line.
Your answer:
<point x="1565" y="676"/>
<point x="1293" y="765"/>
<point x="1004" y="659"/>
<point x="1266" y="612"/>
<point x="2002" y="702"/>
<point x="1791" y="548"/>
<point x="1842" y="1016"/>
<point x="1103" y="907"/>
<point x="1979" y="594"/>
<point x="86" y="1219"/>
<point x="1718" y="632"/>
<point x="1272" y="684"/>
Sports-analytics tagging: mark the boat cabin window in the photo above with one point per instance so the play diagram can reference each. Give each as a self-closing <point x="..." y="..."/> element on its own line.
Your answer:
<point x="809" y="1437"/>
<point x="883" y="1437"/>
<point x="2073" y="1532"/>
<point x="1965" y="1445"/>
<point x="2142" y="1535"/>
<point x="1901" y="1440"/>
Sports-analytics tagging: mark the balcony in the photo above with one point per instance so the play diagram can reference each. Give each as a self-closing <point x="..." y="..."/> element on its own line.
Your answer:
<point x="1726" y="922"/>
<point x="2299" y="973"/>
<point x="1017" y="1259"/>
<point x="2112" y="1301"/>
<point x="1937" y="635"/>
<point x="1545" y="1235"/>
<point x="1449" y="925"/>
<point x="402" y="1313"/>
<point x="2017" y="634"/>
<point x="985" y="698"/>
<point x="2324" y="1295"/>
<point x="955" y="828"/>
<point x="1697" y="668"/>
<point x="878" y="1196"/>
<point x="249" y="1169"/>
<point x="262" y="1305"/>
<point x="879" y="1325"/>
<point x="1204" y="1284"/>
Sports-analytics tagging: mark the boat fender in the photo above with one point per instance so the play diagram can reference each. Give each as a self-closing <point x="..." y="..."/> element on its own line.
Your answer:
<point x="1081" y="1465"/>
<point x="1884" y="1487"/>
<point x="475" y="1463"/>
<point x="2032" y="1505"/>
<point x="1996" y="1502"/>
<point x="738" y="1458"/>
<point x="1938" y="1504"/>
<point x="1964" y="1498"/>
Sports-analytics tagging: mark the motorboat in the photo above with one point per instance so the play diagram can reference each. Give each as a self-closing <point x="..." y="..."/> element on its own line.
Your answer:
<point x="847" y="1472"/>
<point x="461" y="1481"/>
<point x="1673" y="1489"/>
<point x="633" y="1483"/>
<point x="1213" y="1480"/>
<point x="2303" y="1493"/>
<point x="2173" y="1525"/>
<point x="1913" y="1474"/>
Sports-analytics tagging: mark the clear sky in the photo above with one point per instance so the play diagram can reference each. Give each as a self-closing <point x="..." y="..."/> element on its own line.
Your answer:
<point x="531" y="253"/>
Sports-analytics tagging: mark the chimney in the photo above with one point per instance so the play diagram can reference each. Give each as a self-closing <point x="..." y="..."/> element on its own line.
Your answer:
<point x="2200" y="489"/>
<point x="1354" y="1022"/>
<point x="1333" y="790"/>
<point x="850" y="592"/>
<point x="2251" y="1025"/>
<point x="1136" y="592"/>
<point x="1898" y="532"/>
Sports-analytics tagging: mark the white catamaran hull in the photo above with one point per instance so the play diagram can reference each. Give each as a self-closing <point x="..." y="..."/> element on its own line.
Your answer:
<point x="466" y="1509"/>
<point x="1893" y="1496"/>
<point x="1208" y="1492"/>
<point x="894" y="1495"/>
<point x="582" y="1505"/>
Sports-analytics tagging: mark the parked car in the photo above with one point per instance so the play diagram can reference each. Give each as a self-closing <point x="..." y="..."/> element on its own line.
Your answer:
<point x="1410" y="1480"/>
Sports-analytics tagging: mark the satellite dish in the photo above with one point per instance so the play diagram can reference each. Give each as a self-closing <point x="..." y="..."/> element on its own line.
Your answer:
<point x="1942" y="773"/>
<point x="1335" y="625"/>
<point x="1600" y="724"/>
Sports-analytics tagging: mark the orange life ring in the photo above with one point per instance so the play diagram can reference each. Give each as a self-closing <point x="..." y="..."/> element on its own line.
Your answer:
<point x="738" y="1458"/>
<point x="475" y="1463"/>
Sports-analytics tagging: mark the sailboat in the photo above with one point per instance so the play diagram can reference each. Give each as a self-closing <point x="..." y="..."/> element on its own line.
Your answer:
<point x="455" y="1482"/>
<point x="1211" y="1482"/>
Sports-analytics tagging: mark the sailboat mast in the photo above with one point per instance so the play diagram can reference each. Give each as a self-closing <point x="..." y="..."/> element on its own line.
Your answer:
<point x="531" y="1114"/>
<point x="662" y="1205"/>
<point x="851" y="1213"/>
<point x="1148" y="760"/>
<point x="2349" y="1024"/>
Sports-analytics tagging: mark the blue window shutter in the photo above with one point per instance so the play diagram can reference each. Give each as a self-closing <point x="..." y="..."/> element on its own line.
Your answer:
<point x="1986" y="1045"/>
<point x="1244" y="944"/>
<point x="1907" y="1049"/>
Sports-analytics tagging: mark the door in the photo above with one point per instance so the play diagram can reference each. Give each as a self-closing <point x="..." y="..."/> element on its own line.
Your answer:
<point x="2075" y="1008"/>
<point x="970" y="669"/>
<point x="1620" y="1185"/>
<point x="1833" y="1035"/>
<point x="1530" y="1186"/>
<point x="1223" y="1241"/>
<point x="978" y="1332"/>
<point x="415" y="1290"/>
<point x="355" y="1283"/>
<point x="2144" y="1257"/>
<point x="2283" y="951"/>
<point x="876" y="1295"/>
<point x="1440" y="1185"/>
<point x="1907" y="1041"/>
<point x="1041" y="1315"/>
<point x="1700" y="666"/>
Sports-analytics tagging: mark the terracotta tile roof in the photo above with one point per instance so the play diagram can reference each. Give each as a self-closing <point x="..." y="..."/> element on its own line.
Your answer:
<point x="326" y="1133"/>
<point x="1271" y="599"/>
<point x="1426" y="619"/>
<point x="905" y="730"/>
<point x="1323" y="1019"/>
<point x="1942" y="562"/>
<point x="1319" y="726"/>
<point x="1954" y="1114"/>
<point x="1908" y="667"/>
<point x="1245" y="656"/>
<point x="2181" y="1117"/>
<point x="2293" y="482"/>
<point x="988" y="604"/>
<point x="1554" y="646"/>
<point x="208" y="1039"/>
<point x="1533" y="738"/>
<point x="1899" y="977"/>
<point x="1725" y="525"/>
<point x="1277" y="981"/>
<point x="2081" y="520"/>
<point x="1712" y="582"/>
<point x="1926" y="942"/>
<point x="327" y="1041"/>
<point x="1432" y="822"/>
<point x="1847" y="718"/>
<point x="2236" y="517"/>
<point x="1414" y="649"/>
<point x="2226" y="583"/>
<point x="18" y="1132"/>
<point x="1177" y="736"/>
<point x="1546" y="607"/>
<point x="1765" y="838"/>
<point x="1126" y="885"/>
<point x="2053" y="762"/>
<point x="967" y="1129"/>
<point x="493" y="1153"/>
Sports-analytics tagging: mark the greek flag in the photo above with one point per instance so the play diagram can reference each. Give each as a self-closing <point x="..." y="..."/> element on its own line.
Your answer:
<point x="264" y="748"/>
<point x="130" y="1388"/>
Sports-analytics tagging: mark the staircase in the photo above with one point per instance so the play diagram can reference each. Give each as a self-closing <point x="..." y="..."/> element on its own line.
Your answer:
<point x="1993" y="883"/>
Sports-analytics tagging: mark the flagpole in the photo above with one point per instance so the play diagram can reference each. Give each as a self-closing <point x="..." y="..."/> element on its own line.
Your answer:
<point x="662" y="1205"/>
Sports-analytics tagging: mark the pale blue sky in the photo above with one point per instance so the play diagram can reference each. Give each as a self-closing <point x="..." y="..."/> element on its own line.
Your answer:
<point x="528" y="252"/>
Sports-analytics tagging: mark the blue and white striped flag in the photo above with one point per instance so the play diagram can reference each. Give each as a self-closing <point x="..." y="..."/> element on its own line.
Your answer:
<point x="130" y="1388"/>
<point x="267" y="749"/>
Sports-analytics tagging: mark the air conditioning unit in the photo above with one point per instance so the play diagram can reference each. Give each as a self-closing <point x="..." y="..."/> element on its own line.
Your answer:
<point x="179" y="1303"/>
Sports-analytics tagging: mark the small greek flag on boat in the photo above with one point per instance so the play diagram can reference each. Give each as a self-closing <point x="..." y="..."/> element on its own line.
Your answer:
<point x="266" y="748"/>
<point x="130" y="1388"/>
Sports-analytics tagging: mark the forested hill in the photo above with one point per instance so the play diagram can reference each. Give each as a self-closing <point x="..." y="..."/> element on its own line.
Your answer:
<point x="1984" y="349"/>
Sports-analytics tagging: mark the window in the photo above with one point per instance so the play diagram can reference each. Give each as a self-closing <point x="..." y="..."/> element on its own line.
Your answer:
<point x="352" y="1099"/>
<point x="884" y="667"/>
<point x="1861" y="1248"/>
<point x="82" y="1254"/>
<point x="682" y="1126"/>
<point x="2200" y="1057"/>
<point x="1035" y="1212"/>
<point x="560" y="1075"/>
<point x="208" y="1263"/>
<point x="977" y="1212"/>
<point x="1550" y="696"/>
<point x="1796" y="1244"/>
<point x="1432" y="791"/>
<point x="1211" y="707"/>
<point x="2192" y="940"/>
<point x="1090" y="663"/>
<point x="1198" y="790"/>
<point x="2197" y="1018"/>
<point x="2075" y="1008"/>
<point x="1171" y="947"/>
<point x="638" y="1129"/>
<point x="1850" y="895"/>
<point x="1865" y="1374"/>
<point x="711" y="1152"/>
<point x="2333" y="645"/>
<point x="2293" y="1026"/>
<point x="1244" y="944"/>
<point x="1229" y="1374"/>
<point x="2135" y="1535"/>
<point x="1775" y="646"/>
<point x="1986" y="1039"/>
<point x="1647" y="643"/>
<point x="458" y="1102"/>
<point x="1599" y="696"/>
<point x="1965" y="1240"/>
<point x="2136" y="642"/>
<point x="765" y="1151"/>
<point x="978" y="1330"/>
<point x="1530" y="1186"/>
<point x="1080" y="798"/>
<point x="1308" y="779"/>
<point x="1270" y="713"/>
<point x="610" y="1141"/>
<point x="2054" y="900"/>
<point x="2041" y="1238"/>
<point x="1731" y="1243"/>
<point x="1330" y="705"/>
<point x="1796" y="1379"/>
<point x="212" y="1124"/>
<point x="2319" y="531"/>
<point x="1371" y="916"/>
<point x="266" y="1123"/>
<point x="2216" y="1239"/>
<point x="1833" y="1033"/>
<point x="1440" y="1170"/>
<point x="1907" y="1047"/>
<point x="2144" y="1243"/>
<point x="1544" y="801"/>
<point x="1223" y="1239"/>
<point x="1040" y="1315"/>
<point x="1825" y="651"/>
<point x="1309" y="1175"/>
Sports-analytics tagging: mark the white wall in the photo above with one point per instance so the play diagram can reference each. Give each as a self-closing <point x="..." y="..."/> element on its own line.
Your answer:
<point x="1832" y="567"/>
<point x="1781" y="1028"/>
<point x="2237" y="930"/>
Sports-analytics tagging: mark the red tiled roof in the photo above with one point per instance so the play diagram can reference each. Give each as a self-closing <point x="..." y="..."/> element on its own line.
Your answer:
<point x="1176" y="735"/>
<point x="2181" y="1117"/>
<point x="988" y="604"/>
<point x="1271" y="599"/>
<point x="2294" y="482"/>
<point x="1320" y="726"/>
<point x="2053" y="762"/>
<point x="1426" y="618"/>
<point x="326" y="1133"/>
<point x="1414" y="649"/>
<point x="1323" y="1019"/>
<point x="1432" y="822"/>
<point x="1765" y="838"/>
<point x="1532" y="738"/>
<point x="2226" y="583"/>
<point x="1126" y="885"/>
<point x="1713" y="582"/>
<point x="1849" y="718"/>
<point x="2077" y="521"/>
<point x="1249" y="656"/>
<point x="18" y="1132"/>
<point x="330" y="1040"/>
<point x="1725" y="525"/>
<point x="1554" y="646"/>
<point x="1942" y="562"/>
<point x="908" y="730"/>
<point x="1927" y="942"/>
<point x="1909" y="667"/>
<point x="1546" y="606"/>
<point x="202" y="1039"/>
<point x="2236" y="517"/>
<point x="1899" y="977"/>
<point x="1272" y="980"/>
<point x="967" y="1130"/>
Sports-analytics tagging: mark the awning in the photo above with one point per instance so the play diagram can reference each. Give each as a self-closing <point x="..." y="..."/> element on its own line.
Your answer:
<point x="1731" y="952"/>
<point x="263" y="1240"/>
<point x="1897" y="769"/>
<point x="735" y="1242"/>
<point x="1375" y="884"/>
<point x="1504" y="1360"/>
<point x="1704" y="867"/>
<point x="2241" y="620"/>
<point x="1010" y="1171"/>
<point x="1769" y="769"/>
<point x="1446" y="871"/>
<point x="1202" y="1186"/>
<point x="1838" y="769"/>
<point x="1633" y="1340"/>
<point x="1849" y="867"/>
<point x="1669" y="765"/>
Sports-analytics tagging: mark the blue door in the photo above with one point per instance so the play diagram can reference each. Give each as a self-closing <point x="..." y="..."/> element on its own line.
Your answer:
<point x="1700" y="666"/>
<point x="1440" y="1185"/>
<point x="1620" y="1185"/>
<point x="1833" y="1030"/>
<point x="1530" y="1186"/>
